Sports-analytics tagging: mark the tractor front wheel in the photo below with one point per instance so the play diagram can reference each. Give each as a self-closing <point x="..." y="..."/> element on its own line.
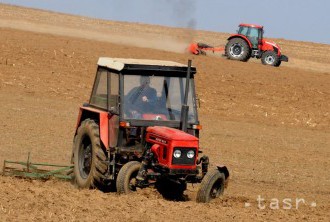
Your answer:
<point x="126" y="178"/>
<point x="238" y="49"/>
<point x="88" y="156"/>
<point x="212" y="186"/>
<point x="270" y="58"/>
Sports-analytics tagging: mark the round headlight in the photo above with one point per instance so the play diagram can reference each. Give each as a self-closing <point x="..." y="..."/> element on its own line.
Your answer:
<point x="190" y="154"/>
<point x="177" y="153"/>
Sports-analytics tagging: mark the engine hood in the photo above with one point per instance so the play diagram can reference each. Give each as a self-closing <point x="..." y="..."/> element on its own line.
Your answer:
<point x="272" y="43"/>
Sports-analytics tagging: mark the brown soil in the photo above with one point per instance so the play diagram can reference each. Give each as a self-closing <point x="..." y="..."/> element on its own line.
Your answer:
<point x="270" y="126"/>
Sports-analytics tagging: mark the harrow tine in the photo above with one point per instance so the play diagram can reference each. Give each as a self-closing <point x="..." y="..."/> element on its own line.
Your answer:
<point x="31" y="170"/>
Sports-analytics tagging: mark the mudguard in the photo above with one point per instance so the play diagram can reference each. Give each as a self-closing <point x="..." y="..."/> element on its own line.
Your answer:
<point x="284" y="58"/>
<point x="102" y="117"/>
<point x="242" y="37"/>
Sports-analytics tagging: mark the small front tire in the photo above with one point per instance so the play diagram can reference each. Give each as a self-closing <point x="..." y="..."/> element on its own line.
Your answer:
<point x="270" y="58"/>
<point x="126" y="178"/>
<point x="212" y="186"/>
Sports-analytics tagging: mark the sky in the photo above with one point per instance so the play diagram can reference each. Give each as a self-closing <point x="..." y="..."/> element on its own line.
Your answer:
<point x="304" y="20"/>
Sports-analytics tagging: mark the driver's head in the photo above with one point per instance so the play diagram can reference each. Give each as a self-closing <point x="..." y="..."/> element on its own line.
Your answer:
<point x="144" y="80"/>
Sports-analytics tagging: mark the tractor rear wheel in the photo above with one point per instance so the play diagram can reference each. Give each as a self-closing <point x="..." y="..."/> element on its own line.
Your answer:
<point x="212" y="186"/>
<point x="126" y="181"/>
<point x="270" y="58"/>
<point x="171" y="190"/>
<point x="88" y="156"/>
<point x="238" y="49"/>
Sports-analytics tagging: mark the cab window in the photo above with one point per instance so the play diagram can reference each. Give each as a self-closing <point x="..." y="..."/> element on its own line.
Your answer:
<point x="243" y="30"/>
<point x="99" y="94"/>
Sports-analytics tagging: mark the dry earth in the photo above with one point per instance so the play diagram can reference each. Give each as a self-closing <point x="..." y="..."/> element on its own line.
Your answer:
<point x="270" y="126"/>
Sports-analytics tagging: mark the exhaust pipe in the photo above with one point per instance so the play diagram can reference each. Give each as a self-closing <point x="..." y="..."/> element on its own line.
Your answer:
<point x="185" y="107"/>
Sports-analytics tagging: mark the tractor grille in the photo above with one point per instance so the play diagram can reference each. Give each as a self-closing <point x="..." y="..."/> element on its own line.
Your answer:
<point x="184" y="160"/>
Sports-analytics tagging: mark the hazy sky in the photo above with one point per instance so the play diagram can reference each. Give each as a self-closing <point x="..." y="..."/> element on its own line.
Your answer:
<point x="306" y="20"/>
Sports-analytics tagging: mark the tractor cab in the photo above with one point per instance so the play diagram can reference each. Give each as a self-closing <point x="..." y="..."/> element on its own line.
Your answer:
<point x="134" y="94"/>
<point x="253" y="32"/>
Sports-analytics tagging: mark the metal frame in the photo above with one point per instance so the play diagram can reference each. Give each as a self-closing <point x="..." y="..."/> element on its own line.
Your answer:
<point x="32" y="170"/>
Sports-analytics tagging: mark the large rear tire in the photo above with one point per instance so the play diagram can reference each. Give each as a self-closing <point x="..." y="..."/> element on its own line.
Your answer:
<point x="126" y="178"/>
<point x="238" y="49"/>
<point x="270" y="58"/>
<point x="88" y="156"/>
<point x="212" y="186"/>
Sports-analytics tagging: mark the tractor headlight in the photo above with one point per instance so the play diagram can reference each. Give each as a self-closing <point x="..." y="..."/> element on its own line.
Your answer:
<point x="177" y="153"/>
<point x="190" y="154"/>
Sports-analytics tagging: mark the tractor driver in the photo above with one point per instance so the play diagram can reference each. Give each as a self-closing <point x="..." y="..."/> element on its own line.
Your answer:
<point x="141" y="99"/>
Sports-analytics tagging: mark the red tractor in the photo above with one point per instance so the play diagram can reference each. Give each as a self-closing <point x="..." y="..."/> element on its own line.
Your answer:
<point x="141" y="128"/>
<point x="247" y="43"/>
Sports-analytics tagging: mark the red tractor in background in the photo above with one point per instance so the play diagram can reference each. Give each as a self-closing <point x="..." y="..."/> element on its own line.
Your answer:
<point x="140" y="128"/>
<point x="247" y="43"/>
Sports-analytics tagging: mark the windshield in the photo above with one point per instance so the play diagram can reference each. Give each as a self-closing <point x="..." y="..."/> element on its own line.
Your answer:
<point x="157" y="98"/>
<point x="254" y="32"/>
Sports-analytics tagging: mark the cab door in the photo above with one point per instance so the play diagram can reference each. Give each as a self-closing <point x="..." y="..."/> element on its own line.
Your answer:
<point x="254" y="35"/>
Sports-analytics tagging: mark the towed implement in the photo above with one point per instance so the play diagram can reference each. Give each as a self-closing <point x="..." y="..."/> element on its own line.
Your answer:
<point x="140" y="128"/>
<point x="33" y="170"/>
<point x="247" y="43"/>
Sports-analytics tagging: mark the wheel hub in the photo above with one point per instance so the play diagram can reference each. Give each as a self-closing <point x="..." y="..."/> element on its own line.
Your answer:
<point x="85" y="160"/>
<point x="270" y="60"/>
<point x="216" y="189"/>
<point x="132" y="184"/>
<point x="236" y="50"/>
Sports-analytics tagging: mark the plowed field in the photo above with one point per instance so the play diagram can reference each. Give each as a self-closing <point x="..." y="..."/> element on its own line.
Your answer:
<point x="270" y="126"/>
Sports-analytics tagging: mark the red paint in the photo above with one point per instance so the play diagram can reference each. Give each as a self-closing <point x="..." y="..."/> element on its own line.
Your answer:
<point x="103" y="119"/>
<point x="155" y="149"/>
<point x="267" y="45"/>
<point x="196" y="48"/>
<point x="193" y="48"/>
<point x="251" y="25"/>
<point x="104" y="129"/>
<point x="165" y="139"/>
<point x="171" y="133"/>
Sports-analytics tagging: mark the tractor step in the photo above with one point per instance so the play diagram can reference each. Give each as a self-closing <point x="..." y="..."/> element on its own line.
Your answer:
<point x="36" y="170"/>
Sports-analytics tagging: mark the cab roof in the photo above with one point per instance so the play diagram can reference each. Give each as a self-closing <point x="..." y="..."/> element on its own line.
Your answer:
<point x="122" y="63"/>
<point x="251" y="25"/>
